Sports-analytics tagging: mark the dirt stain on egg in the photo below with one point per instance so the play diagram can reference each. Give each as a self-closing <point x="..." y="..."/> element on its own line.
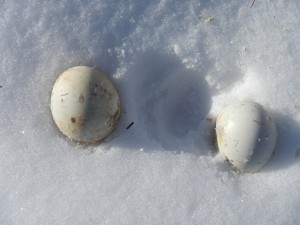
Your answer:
<point x="81" y="98"/>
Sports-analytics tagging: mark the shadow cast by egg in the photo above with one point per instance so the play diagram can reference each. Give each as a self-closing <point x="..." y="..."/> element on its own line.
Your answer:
<point x="167" y="102"/>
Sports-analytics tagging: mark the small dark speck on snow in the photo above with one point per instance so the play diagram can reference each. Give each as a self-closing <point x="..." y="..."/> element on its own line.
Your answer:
<point x="297" y="153"/>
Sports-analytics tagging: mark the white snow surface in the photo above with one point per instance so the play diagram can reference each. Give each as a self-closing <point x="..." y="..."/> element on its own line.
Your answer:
<point x="176" y="64"/>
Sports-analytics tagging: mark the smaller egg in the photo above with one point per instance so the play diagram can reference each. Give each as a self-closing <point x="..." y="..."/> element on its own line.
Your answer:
<point x="246" y="135"/>
<point x="85" y="104"/>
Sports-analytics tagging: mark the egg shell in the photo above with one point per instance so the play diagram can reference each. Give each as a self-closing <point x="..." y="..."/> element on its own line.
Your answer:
<point x="85" y="104"/>
<point x="246" y="135"/>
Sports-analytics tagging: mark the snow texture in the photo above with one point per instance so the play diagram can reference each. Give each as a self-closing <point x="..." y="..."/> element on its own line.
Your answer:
<point x="176" y="64"/>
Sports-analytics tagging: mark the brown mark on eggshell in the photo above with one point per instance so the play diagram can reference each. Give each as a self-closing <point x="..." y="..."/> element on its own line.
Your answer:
<point x="81" y="98"/>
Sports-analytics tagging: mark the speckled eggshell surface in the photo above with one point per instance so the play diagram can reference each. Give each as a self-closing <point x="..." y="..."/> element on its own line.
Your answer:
<point x="246" y="135"/>
<point x="85" y="104"/>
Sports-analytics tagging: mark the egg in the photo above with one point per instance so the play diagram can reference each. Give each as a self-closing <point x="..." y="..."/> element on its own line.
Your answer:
<point x="246" y="135"/>
<point x="85" y="104"/>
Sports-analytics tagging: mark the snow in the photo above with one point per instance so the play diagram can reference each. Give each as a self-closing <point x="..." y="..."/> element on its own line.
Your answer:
<point x="176" y="64"/>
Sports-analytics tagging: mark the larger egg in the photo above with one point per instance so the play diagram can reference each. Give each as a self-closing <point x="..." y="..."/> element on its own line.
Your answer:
<point x="246" y="135"/>
<point x="85" y="104"/>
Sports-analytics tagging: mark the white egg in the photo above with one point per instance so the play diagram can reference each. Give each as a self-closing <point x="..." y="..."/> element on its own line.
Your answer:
<point x="85" y="104"/>
<point x="246" y="136"/>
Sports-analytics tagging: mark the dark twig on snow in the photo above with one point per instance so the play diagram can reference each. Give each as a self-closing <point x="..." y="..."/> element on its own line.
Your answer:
<point x="129" y="125"/>
<point x="252" y="3"/>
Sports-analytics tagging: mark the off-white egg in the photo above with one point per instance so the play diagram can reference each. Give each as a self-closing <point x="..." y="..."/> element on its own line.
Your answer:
<point x="85" y="104"/>
<point x="246" y="135"/>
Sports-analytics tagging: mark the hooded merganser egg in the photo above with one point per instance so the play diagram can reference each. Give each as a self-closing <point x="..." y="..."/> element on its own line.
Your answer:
<point x="85" y="104"/>
<point x="246" y="135"/>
